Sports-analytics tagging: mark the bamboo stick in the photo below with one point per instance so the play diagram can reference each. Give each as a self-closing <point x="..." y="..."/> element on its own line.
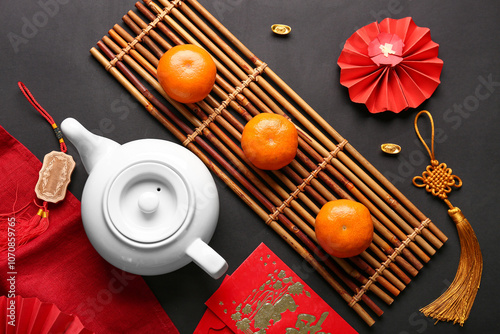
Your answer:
<point x="382" y="228"/>
<point x="378" y="227"/>
<point x="148" y="55"/>
<point x="228" y="181"/>
<point x="269" y="193"/>
<point x="213" y="48"/>
<point x="304" y="227"/>
<point x="373" y="209"/>
<point x="263" y="106"/>
<point x="394" y="268"/>
<point x="409" y="230"/>
<point x="385" y="250"/>
<point x="298" y="232"/>
<point x="264" y="190"/>
<point x="143" y="25"/>
<point x="325" y="140"/>
<point x="136" y="55"/>
<point x="349" y="148"/>
<point x="137" y="31"/>
<point x="398" y="285"/>
<point x="155" y="84"/>
<point x="241" y="167"/>
<point x="172" y="36"/>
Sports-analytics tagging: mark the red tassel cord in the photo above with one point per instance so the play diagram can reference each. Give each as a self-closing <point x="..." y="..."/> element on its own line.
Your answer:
<point x="35" y="227"/>
<point x="14" y="227"/>
<point x="17" y="227"/>
<point x="45" y="114"/>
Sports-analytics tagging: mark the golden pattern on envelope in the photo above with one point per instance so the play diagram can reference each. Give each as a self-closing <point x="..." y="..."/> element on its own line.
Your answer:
<point x="265" y="296"/>
<point x="267" y="303"/>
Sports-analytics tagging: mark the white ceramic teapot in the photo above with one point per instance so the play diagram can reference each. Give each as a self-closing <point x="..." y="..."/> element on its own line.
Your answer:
<point x="149" y="206"/>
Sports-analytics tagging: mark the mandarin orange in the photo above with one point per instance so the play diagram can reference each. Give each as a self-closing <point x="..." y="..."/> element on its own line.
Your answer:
<point x="187" y="73"/>
<point x="344" y="228"/>
<point x="269" y="141"/>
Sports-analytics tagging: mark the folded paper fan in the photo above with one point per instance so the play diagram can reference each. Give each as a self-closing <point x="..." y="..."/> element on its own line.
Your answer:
<point x="20" y="315"/>
<point x="391" y="65"/>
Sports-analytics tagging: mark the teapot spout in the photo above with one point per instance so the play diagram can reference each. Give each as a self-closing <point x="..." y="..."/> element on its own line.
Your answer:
<point x="91" y="147"/>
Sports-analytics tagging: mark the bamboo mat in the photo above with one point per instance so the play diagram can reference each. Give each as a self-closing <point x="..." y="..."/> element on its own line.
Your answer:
<point x="326" y="167"/>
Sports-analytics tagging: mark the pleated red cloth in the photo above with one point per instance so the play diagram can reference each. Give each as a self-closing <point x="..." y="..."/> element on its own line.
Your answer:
<point x="61" y="266"/>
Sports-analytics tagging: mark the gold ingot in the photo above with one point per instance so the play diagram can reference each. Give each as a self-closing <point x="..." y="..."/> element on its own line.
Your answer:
<point x="391" y="148"/>
<point x="281" y="29"/>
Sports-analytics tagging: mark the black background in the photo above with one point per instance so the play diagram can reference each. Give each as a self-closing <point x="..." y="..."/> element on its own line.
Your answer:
<point x="53" y="60"/>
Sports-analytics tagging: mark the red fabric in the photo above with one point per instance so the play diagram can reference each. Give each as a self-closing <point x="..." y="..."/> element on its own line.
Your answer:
<point x="62" y="267"/>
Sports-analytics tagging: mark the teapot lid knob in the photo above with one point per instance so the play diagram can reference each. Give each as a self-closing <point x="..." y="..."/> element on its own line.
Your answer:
<point x="148" y="202"/>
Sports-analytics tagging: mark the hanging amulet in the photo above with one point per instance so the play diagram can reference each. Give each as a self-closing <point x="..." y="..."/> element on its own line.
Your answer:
<point x="54" y="176"/>
<point x="437" y="180"/>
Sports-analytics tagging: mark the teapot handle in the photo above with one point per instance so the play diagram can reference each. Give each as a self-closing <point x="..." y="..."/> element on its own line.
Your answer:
<point x="206" y="258"/>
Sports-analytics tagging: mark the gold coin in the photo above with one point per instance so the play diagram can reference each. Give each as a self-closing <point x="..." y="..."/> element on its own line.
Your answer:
<point x="391" y="148"/>
<point x="281" y="29"/>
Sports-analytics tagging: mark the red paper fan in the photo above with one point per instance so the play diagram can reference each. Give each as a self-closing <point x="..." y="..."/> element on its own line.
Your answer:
<point x="391" y="65"/>
<point x="29" y="315"/>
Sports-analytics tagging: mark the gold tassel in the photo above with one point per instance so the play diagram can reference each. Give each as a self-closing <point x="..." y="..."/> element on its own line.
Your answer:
<point x="456" y="302"/>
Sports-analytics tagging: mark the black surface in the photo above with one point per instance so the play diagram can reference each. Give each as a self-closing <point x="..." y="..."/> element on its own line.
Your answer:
<point x="53" y="60"/>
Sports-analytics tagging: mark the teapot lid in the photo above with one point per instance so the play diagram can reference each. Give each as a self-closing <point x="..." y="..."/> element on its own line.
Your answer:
<point x="147" y="202"/>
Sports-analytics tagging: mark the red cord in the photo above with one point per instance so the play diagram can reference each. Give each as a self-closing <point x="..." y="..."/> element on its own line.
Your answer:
<point x="45" y="115"/>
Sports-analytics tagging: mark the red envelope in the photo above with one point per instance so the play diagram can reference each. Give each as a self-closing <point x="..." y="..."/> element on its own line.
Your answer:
<point x="265" y="295"/>
<point x="211" y="324"/>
